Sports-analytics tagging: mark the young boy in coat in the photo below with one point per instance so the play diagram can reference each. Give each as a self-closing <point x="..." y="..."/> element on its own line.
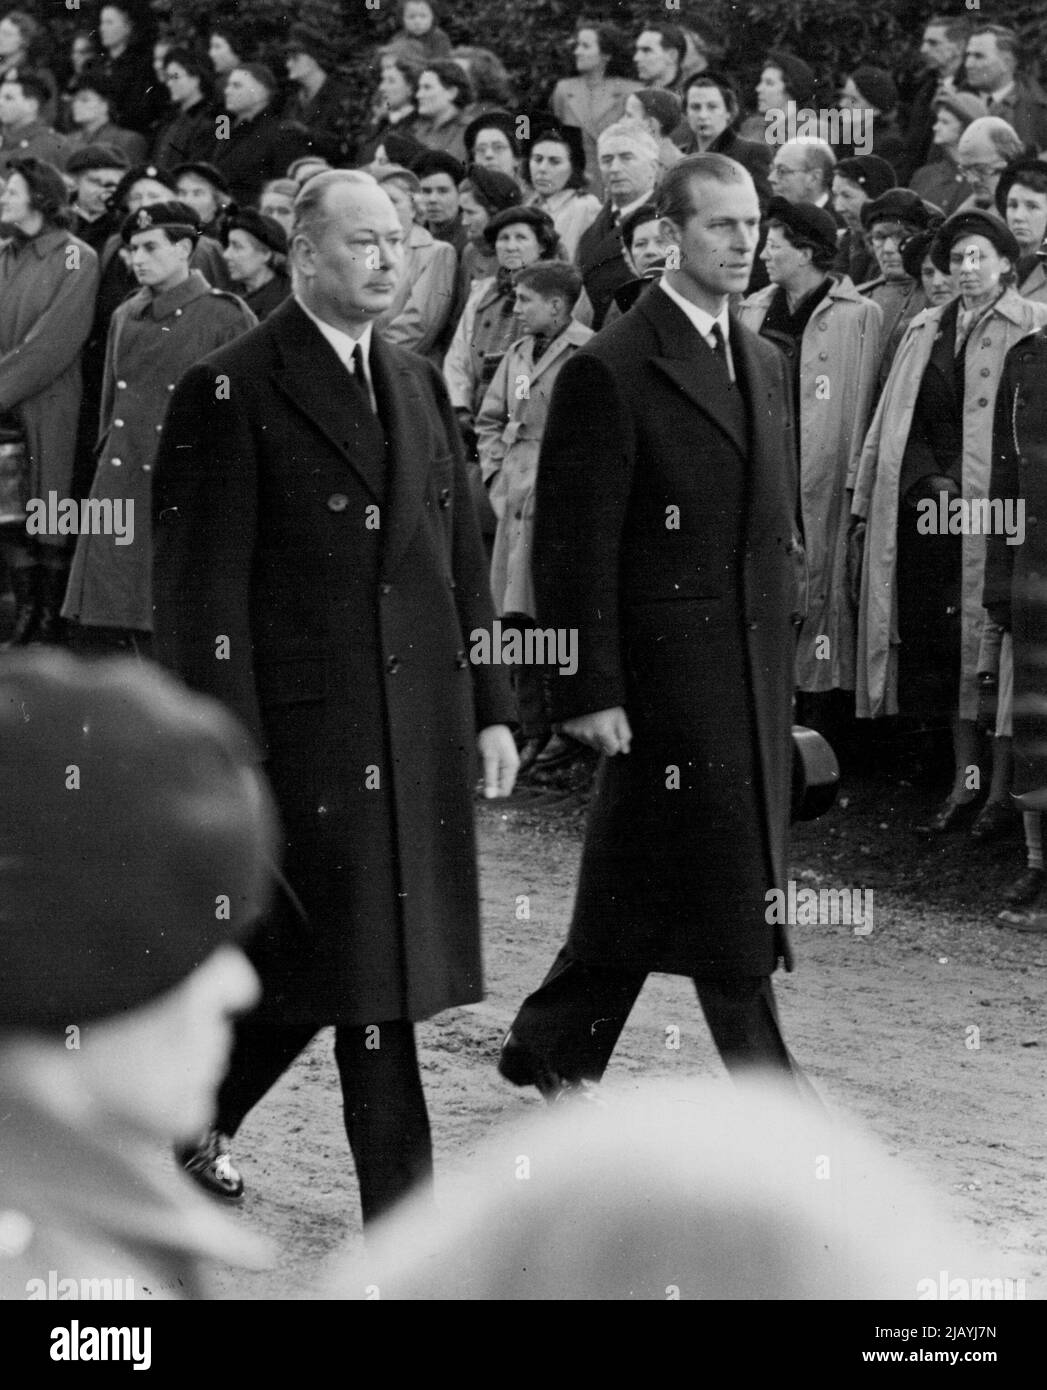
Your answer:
<point x="509" y="429"/>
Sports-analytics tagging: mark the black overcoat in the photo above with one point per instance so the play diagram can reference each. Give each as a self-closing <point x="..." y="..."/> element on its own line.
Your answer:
<point x="603" y="266"/>
<point x="665" y="536"/>
<point x="1017" y="574"/>
<point x="348" y="654"/>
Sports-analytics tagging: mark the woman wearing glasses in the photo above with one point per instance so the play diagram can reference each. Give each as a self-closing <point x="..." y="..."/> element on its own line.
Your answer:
<point x="926" y="457"/>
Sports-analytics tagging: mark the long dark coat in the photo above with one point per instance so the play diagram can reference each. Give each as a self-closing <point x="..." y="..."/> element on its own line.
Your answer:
<point x="684" y="619"/>
<point x="1017" y="574"/>
<point x="604" y="268"/>
<point x="349" y="650"/>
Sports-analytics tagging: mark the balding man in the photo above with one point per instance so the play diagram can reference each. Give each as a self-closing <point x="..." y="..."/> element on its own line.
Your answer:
<point x="992" y="72"/>
<point x="802" y="171"/>
<point x="628" y="158"/>
<point x="986" y="147"/>
<point x="319" y="569"/>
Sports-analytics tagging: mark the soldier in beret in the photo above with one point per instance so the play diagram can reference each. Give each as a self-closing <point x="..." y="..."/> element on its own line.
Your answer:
<point x="256" y="254"/>
<point x="119" y="975"/>
<point x="154" y="337"/>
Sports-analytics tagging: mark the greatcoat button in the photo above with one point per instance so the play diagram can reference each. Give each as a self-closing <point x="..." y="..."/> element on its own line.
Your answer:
<point x="121" y="385"/>
<point x="445" y="497"/>
<point x="116" y="462"/>
<point x="461" y="660"/>
<point x="386" y="589"/>
<point x="393" y="665"/>
<point x="982" y="400"/>
<point x="119" y="424"/>
<point x="337" y="502"/>
<point x="986" y="342"/>
<point x="986" y="371"/>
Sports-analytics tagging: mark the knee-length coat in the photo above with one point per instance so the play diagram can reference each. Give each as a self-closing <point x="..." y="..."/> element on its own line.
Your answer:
<point x="153" y="341"/>
<point x="1016" y="575"/>
<point x="1009" y="320"/>
<point x="665" y="539"/>
<point x="839" y="355"/>
<point x="348" y="586"/>
<point x="47" y="301"/>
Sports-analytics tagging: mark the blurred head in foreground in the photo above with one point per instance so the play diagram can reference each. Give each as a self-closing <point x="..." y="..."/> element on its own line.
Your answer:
<point x="691" y="1191"/>
<point x="136" y="848"/>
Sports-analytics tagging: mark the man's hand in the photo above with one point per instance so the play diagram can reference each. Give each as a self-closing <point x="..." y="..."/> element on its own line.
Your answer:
<point x="500" y="760"/>
<point x="607" y="730"/>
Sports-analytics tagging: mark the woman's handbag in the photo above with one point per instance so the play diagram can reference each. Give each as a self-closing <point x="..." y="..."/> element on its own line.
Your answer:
<point x="14" y="473"/>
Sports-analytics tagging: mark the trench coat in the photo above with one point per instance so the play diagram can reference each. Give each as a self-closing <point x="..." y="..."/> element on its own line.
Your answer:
<point x="509" y="432"/>
<point x="483" y="331"/>
<point x="876" y="494"/>
<point x="1016" y="575"/>
<point x="47" y="300"/>
<point x="838" y="361"/>
<point x="87" y="1206"/>
<point x="418" y="315"/>
<point x="664" y="537"/>
<point x="573" y="212"/>
<point x="592" y="109"/>
<point x="348" y="590"/>
<point x="152" y="343"/>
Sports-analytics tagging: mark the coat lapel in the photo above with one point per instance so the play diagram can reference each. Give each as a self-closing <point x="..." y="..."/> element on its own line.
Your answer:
<point x="315" y="382"/>
<point x="404" y="411"/>
<point x="683" y="361"/>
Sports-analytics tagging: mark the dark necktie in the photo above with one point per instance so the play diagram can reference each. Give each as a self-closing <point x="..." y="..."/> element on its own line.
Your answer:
<point x="719" y="349"/>
<point x="360" y="376"/>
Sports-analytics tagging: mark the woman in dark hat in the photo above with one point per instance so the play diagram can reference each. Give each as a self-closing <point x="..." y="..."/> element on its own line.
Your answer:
<point x="858" y="181"/>
<point x="48" y="282"/>
<point x="491" y="142"/>
<point x="188" y="132"/>
<point x="1021" y="197"/>
<point x="206" y="190"/>
<point x="95" y="117"/>
<point x="783" y="79"/>
<point x="921" y="621"/>
<point x="557" y="174"/>
<point x="482" y="194"/>
<point x="442" y="94"/>
<point x="887" y="221"/>
<point x="256" y="254"/>
<point x="940" y="181"/>
<point x="938" y="285"/>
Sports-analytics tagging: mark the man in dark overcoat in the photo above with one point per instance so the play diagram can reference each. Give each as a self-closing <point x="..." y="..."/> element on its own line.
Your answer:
<point x="1015" y="591"/>
<point x="318" y="567"/>
<point x="665" y="538"/>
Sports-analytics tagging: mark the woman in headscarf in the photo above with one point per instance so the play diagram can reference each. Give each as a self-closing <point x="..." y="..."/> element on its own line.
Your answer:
<point x="926" y="458"/>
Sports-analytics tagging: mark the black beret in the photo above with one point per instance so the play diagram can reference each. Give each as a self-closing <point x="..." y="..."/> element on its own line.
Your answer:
<point x="93" y="79"/>
<point x="871" y="173"/>
<point x="200" y="170"/>
<point x="915" y="249"/>
<point x="402" y="148"/>
<point x="176" y="219"/>
<point x="899" y="205"/>
<point x="800" y="80"/>
<point x="806" y="222"/>
<point x="497" y="119"/>
<point x="509" y="217"/>
<point x="975" y="222"/>
<point x="136" y="172"/>
<point x="303" y="38"/>
<point x="112" y="891"/>
<point x="1012" y="175"/>
<point x="497" y="191"/>
<point x="437" y="162"/>
<point x="96" y="157"/>
<point x="264" y="229"/>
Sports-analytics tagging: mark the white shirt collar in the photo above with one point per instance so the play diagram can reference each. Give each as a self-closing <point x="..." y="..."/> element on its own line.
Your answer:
<point x="702" y="321"/>
<point x="342" y="342"/>
<point x="623" y="213"/>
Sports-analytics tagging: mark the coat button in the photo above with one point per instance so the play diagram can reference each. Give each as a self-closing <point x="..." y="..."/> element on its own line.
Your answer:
<point x="823" y="327"/>
<point x="986" y="371"/>
<point x="147" y="467"/>
<point x="753" y="627"/>
<point x="386" y="589"/>
<point x="116" y="462"/>
<point x="461" y="660"/>
<point x="445" y="497"/>
<point x="986" y="342"/>
<point x="823" y="357"/>
<point x="178" y="313"/>
<point x="982" y="400"/>
<point x="337" y="502"/>
<point x="393" y="665"/>
<point x="170" y="386"/>
<point x="119" y="424"/>
<point x="121" y="385"/>
<point x="159" y="428"/>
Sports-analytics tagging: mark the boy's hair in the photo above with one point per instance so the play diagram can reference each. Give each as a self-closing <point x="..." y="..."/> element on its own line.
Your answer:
<point x="647" y="212"/>
<point x="552" y="278"/>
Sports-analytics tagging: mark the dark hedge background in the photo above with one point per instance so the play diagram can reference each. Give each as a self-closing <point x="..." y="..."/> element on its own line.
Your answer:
<point x="533" y="36"/>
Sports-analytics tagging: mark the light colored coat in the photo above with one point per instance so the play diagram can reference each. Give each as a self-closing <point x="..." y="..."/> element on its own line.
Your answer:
<point x="47" y="301"/>
<point x="592" y="109"/>
<point x="572" y="211"/>
<point x="509" y="429"/>
<point x="876" y="494"/>
<point x="840" y="352"/>
<point x="425" y="295"/>
<point x="483" y="329"/>
<point x="1034" y="286"/>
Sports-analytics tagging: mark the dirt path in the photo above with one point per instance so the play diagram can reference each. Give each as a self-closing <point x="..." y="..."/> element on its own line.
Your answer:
<point x="881" y="1022"/>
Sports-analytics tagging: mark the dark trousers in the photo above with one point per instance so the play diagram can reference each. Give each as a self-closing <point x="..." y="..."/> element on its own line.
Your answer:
<point x="382" y="1097"/>
<point x="573" y="1020"/>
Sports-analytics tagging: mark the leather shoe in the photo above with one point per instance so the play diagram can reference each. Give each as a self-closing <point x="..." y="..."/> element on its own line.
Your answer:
<point x="954" y="815"/>
<point x="211" y="1165"/>
<point x="993" y="822"/>
<point x="1033" y="923"/>
<point x="1025" y="888"/>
